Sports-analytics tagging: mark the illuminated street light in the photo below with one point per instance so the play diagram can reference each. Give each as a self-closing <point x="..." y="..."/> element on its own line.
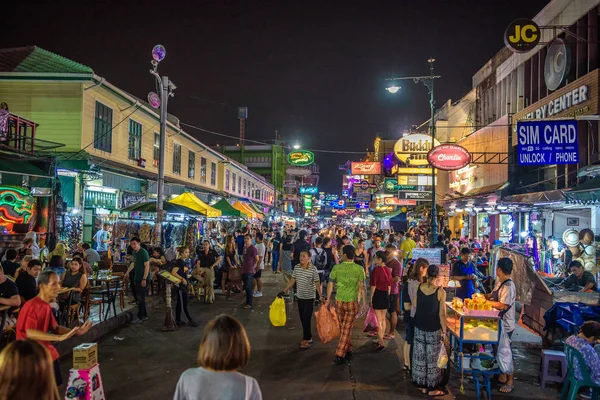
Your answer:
<point x="393" y="89"/>
<point x="296" y="146"/>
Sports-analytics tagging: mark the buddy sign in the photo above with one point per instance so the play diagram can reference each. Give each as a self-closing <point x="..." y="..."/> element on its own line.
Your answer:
<point x="412" y="149"/>
<point x="547" y="142"/>
<point x="449" y="157"/>
<point x="522" y="35"/>
<point x="301" y="158"/>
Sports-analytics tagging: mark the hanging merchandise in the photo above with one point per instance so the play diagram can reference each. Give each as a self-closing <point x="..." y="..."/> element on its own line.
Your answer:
<point x="145" y="232"/>
<point x="73" y="230"/>
<point x="167" y="231"/>
<point x="177" y="237"/>
<point x="191" y="234"/>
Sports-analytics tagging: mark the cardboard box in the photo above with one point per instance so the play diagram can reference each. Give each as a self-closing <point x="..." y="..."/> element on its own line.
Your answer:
<point x="85" y="356"/>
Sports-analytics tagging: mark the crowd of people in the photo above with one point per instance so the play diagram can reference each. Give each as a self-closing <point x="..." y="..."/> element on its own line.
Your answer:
<point x="331" y="266"/>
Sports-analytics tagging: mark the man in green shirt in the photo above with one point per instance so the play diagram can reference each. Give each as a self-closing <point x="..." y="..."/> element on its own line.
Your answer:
<point x="142" y="276"/>
<point x="349" y="281"/>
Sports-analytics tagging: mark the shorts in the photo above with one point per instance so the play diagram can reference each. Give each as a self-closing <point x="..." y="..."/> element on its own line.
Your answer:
<point x="381" y="300"/>
<point x="393" y="303"/>
<point x="57" y="374"/>
<point x="258" y="274"/>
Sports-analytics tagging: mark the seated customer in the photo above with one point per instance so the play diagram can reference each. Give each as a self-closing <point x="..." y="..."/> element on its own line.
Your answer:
<point x="9" y="296"/>
<point x="90" y="255"/>
<point x="26" y="282"/>
<point x="75" y="278"/>
<point x="86" y="265"/>
<point x="57" y="264"/>
<point x="589" y="334"/>
<point x="23" y="265"/>
<point x="10" y="265"/>
<point x="580" y="277"/>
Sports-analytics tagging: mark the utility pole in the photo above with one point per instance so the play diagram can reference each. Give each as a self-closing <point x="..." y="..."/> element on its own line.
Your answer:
<point x="428" y="82"/>
<point x="166" y="88"/>
<point x="275" y="160"/>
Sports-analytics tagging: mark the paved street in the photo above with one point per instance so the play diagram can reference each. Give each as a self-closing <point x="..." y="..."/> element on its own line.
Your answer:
<point x="147" y="362"/>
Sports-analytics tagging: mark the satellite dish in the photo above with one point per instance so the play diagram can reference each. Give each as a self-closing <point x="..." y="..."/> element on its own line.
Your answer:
<point x="557" y="64"/>
<point x="154" y="100"/>
<point x="159" y="53"/>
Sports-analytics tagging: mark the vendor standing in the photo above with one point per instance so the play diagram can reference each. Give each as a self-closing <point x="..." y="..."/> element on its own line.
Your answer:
<point x="503" y="298"/>
<point x="463" y="270"/>
<point x="579" y="276"/>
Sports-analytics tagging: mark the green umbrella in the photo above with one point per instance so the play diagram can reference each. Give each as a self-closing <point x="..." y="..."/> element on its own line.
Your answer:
<point x="150" y="207"/>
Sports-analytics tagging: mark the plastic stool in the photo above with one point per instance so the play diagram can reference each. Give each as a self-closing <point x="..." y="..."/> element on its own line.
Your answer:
<point x="553" y="355"/>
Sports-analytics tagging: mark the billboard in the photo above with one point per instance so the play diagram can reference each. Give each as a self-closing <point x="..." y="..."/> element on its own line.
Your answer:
<point x="547" y="142"/>
<point x="412" y="149"/>
<point x="414" y="196"/>
<point x="301" y="158"/>
<point x="449" y="157"/>
<point x="366" y="168"/>
<point x="309" y="190"/>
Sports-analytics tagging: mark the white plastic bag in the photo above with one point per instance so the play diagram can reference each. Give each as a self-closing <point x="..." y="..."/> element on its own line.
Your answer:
<point x="442" y="362"/>
<point x="505" y="356"/>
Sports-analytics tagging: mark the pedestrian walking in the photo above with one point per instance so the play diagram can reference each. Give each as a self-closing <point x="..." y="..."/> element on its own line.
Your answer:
<point x="395" y="267"/>
<point x="249" y="265"/>
<point x="430" y="330"/>
<point x="285" y="263"/>
<point x="142" y="276"/>
<point x="223" y="350"/>
<point x="349" y="282"/>
<point x="261" y="249"/>
<point x="230" y="262"/>
<point x="182" y="271"/>
<point x="306" y="278"/>
<point x="416" y="276"/>
<point x="276" y="243"/>
<point x="381" y="285"/>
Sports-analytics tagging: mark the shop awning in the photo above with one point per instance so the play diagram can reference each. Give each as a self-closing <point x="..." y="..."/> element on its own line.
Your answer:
<point x="389" y="215"/>
<point x="238" y="205"/>
<point x="189" y="200"/>
<point x="254" y="207"/>
<point x="258" y="214"/>
<point x="20" y="167"/>
<point x="537" y="198"/>
<point x="227" y="210"/>
<point x="150" y="207"/>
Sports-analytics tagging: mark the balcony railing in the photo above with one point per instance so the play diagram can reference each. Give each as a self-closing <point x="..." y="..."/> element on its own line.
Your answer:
<point x="18" y="134"/>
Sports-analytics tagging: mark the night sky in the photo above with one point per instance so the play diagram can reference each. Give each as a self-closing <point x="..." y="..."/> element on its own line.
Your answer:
<point x="313" y="70"/>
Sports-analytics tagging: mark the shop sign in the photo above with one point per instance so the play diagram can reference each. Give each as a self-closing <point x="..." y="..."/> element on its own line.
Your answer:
<point x="522" y="35"/>
<point x="331" y="197"/>
<point x="391" y="186"/>
<point x="129" y="199"/>
<point x="449" y="157"/>
<point x="394" y="201"/>
<point x="414" y="196"/>
<point x="462" y="182"/>
<point x="301" y="158"/>
<point x="362" y="205"/>
<point x="291" y="184"/>
<point x="338" y="204"/>
<point x="345" y="193"/>
<point x="363" y="197"/>
<point x="413" y="149"/>
<point x="434" y="256"/>
<point x="17" y="206"/>
<point x="547" y="142"/>
<point x="562" y="103"/>
<point x="309" y="190"/>
<point x="289" y="197"/>
<point x="366" y="168"/>
<point x="413" y="171"/>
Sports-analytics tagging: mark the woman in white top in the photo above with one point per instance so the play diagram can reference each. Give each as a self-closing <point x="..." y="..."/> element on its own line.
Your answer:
<point x="223" y="350"/>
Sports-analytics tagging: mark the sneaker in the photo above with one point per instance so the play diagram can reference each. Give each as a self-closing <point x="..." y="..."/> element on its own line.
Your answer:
<point x="180" y="323"/>
<point x="145" y="318"/>
<point x="339" y="360"/>
<point x="193" y="324"/>
<point x="137" y="321"/>
<point x="257" y="294"/>
<point x="286" y="296"/>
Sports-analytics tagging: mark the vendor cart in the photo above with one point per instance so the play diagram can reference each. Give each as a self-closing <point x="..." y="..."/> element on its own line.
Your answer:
<point x="470" y="328"/>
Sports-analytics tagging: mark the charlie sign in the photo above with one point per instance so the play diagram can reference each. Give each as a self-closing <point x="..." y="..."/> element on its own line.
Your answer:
<point x="547" y="142"/>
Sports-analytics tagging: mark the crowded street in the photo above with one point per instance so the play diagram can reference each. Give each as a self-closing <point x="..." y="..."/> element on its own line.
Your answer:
<point x="251" y="200"/>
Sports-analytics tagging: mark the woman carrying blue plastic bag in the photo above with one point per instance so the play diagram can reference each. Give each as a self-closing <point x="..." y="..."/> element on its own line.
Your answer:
<point x="306" y="278"/>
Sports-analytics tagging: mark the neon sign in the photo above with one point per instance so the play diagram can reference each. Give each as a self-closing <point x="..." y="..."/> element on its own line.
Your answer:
<point x="16" y="206"/>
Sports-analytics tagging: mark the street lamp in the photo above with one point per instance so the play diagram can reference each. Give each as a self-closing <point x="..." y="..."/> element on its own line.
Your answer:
<point x="166" y="88"/>
<point x="428" y="82"/>
<point x="296" y="146"/>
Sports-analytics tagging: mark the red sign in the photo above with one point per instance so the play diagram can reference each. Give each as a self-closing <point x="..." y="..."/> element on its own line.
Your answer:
<point x="394" y="201"/>
<point x="449" y="157"/>
<point x="366" y="168"/>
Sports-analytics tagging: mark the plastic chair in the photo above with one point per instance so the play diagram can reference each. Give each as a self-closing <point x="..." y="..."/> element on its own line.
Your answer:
<point x="547" y="357"/>
<point x="573" y="384"/>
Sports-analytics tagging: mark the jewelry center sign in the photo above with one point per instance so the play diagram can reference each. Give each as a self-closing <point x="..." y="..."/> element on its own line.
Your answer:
<point x="547" y="142"/>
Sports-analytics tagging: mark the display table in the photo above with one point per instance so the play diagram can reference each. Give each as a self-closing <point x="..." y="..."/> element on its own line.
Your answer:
<point x="475" y="328"/>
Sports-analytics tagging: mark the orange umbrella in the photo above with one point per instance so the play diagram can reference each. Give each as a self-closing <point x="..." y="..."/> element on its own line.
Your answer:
<point x="239" y="206"/>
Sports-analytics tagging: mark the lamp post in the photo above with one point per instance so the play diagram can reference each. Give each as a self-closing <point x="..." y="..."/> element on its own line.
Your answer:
<point x="428" y="82"/>
<point x="166" y="88"/>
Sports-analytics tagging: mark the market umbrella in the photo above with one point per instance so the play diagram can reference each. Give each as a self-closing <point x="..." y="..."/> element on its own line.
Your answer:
<point x="255" y="208"/>
<point x="227" y="210"/>
<point x="248" y="207"/>
<point x="189" y="200"/>
<point x="240" y="206"/>
<point x="150" y="207"/>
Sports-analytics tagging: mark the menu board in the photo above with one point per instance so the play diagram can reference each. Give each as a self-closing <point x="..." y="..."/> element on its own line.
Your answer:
<point x="434" y="256"/>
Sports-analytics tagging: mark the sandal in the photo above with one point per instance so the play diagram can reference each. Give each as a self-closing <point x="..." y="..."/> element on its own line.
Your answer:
<point x="507" y="389"/>
<point x="247" y="307"/>
<point x="372" y="334"/>
<point x="389" y="337"/>
<point x="304" y="345"/>
<point x="379" y="347"/>
<point x="437" y="393"/>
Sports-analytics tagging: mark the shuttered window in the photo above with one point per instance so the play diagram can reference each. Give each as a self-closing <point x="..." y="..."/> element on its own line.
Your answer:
<point x="103" y="119"/>
<point x="177" y="158"/>
<point x="135" y="140"/>
<point x="191" y="165"/>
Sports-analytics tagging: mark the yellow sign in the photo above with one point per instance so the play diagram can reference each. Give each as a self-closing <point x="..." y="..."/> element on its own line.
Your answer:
<point x="413" y="171"/>
<point x="413" y="149"/>
<point x="522" y="35"/>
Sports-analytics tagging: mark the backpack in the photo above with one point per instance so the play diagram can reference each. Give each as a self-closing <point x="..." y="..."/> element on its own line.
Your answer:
<point x="320" y="259"/>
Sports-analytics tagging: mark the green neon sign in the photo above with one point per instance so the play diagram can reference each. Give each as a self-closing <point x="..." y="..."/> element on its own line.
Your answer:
<point x="301" y="158"/>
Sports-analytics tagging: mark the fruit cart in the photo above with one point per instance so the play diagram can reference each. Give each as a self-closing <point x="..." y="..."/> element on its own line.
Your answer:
<point x="471" y="328"/>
